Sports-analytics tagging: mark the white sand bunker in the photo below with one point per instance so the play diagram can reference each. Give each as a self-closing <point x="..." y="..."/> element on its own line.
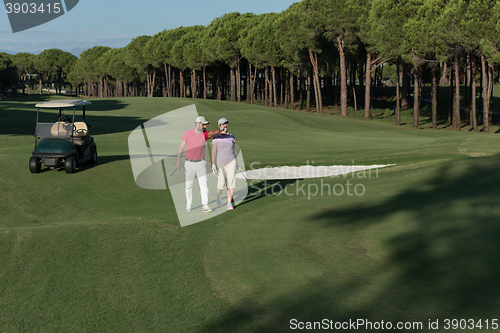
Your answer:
<point x="308" y="171"/>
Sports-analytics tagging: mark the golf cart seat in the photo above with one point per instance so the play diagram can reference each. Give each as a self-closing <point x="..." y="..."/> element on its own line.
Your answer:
<point x="80" y="132"/>
<point x="61" y="130"/>
<point x="81" y="129"/>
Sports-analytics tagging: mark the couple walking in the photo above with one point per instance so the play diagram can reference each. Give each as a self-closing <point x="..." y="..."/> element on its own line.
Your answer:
<point x="224" y="162"/>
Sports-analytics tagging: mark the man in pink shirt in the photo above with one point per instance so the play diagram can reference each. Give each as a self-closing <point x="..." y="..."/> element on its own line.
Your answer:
<point x="194" y="141"/>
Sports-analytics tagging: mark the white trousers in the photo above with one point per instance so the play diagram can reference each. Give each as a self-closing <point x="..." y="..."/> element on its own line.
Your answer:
<point x="198" y="169"/>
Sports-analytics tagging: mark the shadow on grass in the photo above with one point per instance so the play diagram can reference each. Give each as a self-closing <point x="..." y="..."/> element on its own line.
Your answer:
<point x="260" y="189"/>
<point x="442" y="264"/>
<point x="101" y="160"/>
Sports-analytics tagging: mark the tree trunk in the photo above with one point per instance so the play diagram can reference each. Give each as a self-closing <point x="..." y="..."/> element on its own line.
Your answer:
<point x="182" y="88"/>
<point x="275" y="95"/>
<point x="309" y="75"/>
<point x="167" y="81"/>
<point x="352" y="83"/>
<point x="105" y="94"/>
<point x="317" y="84"/>
<point x="405" y="86"/>
<point x="467" y="84"/>
<point x="282" y="90"/>
<point x="452" y="100"/>
<point x="238" y="79"/>
<point x="266" y="88"/>
<point x="220" y="84"/>
<point x="100" y="87"/>
<point x="398" y="97"/>
<point x="60" y="83"/>
<point x="194" y="92"/>
<point x="254" y="87"/>
<point x="233" y="87"/>
<point x="343" y="76"/>
<point x="249" y="84"/>
<point x="302" y="88"/>
<point x="270" y="85"/>
<point x="456" y="109"/>
<point x="491" y="71"/>
<point x="260" y="87"/>
<point x="368" y="80"/>
<point x="153" y="80"/>
<point x="434" y="95"/>
<point x="473" y="115"/>
<point x="204" y="82"/>
<point x="443" y="79"/>
<point x="148" y="83"/>
<point x="23" y="83"/>
<point x="292" y="91"/>
<point x="486" y="94"/>
<point x="361" y="76"/>
<point x="416" y="99"/>
<point x="168" y="78"/>
<point x="286" y="77"/>
<point x="214" y="83"/>
<point x="481" y="92"/>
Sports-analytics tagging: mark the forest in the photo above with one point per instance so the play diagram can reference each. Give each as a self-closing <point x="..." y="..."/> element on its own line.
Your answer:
<point x="313" y="55"/>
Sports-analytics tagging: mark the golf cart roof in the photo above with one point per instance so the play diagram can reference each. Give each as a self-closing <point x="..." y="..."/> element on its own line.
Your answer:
<point x="62" y="103"/>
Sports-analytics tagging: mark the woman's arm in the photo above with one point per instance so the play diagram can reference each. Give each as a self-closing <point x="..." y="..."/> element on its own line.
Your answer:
<point x="236" y="157"/>
<point x="214" y="151"/>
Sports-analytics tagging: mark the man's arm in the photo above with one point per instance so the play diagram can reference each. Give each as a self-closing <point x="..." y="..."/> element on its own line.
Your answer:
<point x="212" y="133"/>
<point x="179" y="153"/>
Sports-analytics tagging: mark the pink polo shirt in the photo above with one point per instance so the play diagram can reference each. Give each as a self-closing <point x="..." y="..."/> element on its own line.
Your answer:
<point x="195" y="144"/>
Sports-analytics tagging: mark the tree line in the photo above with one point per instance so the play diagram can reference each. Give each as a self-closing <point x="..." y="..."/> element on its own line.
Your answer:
<point x="315" y="52"/>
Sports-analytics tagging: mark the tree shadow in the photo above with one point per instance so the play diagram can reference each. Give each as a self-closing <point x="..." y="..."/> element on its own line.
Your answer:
<point x="19" y="121"/>
<point x="443" y="264"/>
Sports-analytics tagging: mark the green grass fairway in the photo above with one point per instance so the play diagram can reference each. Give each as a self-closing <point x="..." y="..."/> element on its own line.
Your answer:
<point x="93" y="252"/>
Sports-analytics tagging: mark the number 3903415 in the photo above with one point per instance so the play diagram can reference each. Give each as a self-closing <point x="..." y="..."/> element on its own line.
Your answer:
<point x="32" y="8"/>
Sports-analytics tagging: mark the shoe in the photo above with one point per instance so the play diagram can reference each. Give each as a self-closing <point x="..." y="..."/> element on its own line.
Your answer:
<point x="206" y="209"/>
<point x="230" y="206"/>
<point x="188" y="208"/>
<point x="219" y="201"/>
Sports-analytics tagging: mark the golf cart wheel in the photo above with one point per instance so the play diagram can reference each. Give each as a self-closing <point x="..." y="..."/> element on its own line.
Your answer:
<point x="93" y="158"/>
<point x="35" y="164"/>
<point x="70" y="164"/>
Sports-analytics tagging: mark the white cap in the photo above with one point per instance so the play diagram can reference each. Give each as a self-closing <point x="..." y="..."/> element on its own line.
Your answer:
<point x="202" y="120"/>
<point x="222" y="121"/>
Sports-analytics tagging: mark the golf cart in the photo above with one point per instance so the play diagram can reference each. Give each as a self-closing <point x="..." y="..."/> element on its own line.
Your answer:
<point x="64" y="143"/>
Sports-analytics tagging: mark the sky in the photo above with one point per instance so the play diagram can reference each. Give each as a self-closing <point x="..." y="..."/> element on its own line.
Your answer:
<point x="115" y="23"/>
